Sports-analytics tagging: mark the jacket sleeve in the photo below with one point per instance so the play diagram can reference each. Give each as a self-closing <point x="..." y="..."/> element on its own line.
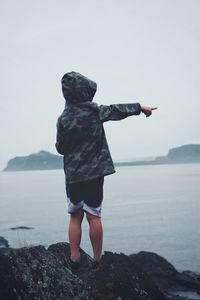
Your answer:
<point x="61" y="139"/>
<point x="116" y="112"/>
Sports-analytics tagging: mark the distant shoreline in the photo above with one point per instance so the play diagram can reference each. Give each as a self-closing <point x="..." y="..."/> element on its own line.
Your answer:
<point x="153" y="162"/>
<point x="119" y="164"/>
<point x="44" y="160"/>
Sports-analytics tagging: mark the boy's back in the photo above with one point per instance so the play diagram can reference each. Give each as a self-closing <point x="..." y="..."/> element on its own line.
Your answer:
<point x="80" y="133"/>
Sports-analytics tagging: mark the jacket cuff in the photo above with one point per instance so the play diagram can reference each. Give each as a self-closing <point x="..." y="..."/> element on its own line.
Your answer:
<point x="139" y="108"/>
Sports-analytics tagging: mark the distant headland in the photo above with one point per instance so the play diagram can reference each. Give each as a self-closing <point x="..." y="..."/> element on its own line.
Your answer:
<point x="44" y="160"/>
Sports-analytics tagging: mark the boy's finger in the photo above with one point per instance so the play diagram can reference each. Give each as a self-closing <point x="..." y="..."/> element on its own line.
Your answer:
<point x="153" y="108"/>
<point x="148" y="113"/>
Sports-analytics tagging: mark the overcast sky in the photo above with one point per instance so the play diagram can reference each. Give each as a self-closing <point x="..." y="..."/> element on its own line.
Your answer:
<point x="143" y="51"/>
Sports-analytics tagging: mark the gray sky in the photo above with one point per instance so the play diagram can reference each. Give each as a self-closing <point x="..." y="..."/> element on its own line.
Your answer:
<point x="143" y="51"/>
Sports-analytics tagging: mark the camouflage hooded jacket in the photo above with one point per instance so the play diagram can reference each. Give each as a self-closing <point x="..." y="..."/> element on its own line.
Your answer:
<point x="80" y="133"/>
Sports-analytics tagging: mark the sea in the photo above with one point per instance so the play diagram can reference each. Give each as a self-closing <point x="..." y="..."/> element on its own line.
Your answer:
<point x="152" y="208"/>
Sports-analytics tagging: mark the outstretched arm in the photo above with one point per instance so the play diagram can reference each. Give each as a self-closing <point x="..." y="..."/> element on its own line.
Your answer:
<point x="116" y="112"/>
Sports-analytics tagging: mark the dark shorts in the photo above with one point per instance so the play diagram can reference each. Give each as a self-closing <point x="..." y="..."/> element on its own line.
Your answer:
<point x="87" y="195"/>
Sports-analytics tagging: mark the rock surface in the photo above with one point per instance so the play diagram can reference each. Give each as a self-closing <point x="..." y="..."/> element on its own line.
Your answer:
<point x="3" y="242"/>
<point x="21" y="227"/>
<point x="40" y="273"/>
<point x="171" y="282"/>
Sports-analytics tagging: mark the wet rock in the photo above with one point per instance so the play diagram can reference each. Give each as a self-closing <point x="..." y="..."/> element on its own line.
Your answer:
<point x="117" y="277"/>
<point x="40" y="273"/>
<point x="174" y="284"/>
<point x="35" y="273"/>
<point x="22" y="227"/>
<point x="3" y="242"/>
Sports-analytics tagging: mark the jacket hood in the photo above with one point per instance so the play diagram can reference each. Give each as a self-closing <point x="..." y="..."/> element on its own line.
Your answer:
<point x="77" y="88"/>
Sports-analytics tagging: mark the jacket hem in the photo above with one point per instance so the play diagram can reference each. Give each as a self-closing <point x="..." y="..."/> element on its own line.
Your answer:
<point x="91" y="177"/>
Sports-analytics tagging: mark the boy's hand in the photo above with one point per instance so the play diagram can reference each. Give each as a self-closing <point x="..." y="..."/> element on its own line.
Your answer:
<point x="147" y="110"/>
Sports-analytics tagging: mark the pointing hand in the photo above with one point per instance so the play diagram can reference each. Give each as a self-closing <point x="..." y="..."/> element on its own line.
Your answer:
<point x="147" y="110"/>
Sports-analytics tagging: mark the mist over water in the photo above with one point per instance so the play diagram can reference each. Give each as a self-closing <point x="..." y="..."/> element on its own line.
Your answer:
<point x="151" y="208"/>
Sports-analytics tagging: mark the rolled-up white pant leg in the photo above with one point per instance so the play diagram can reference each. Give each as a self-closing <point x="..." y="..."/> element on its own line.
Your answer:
<point x="96" y="211"/>
<point x="72" y="208"/>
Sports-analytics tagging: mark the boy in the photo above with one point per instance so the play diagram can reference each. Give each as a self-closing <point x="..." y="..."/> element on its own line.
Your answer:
<point x="82" y="141"/>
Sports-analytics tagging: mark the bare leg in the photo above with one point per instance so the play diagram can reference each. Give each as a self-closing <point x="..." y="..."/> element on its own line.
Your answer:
<point x="75" y="234"/>
<point x="96" y="235"/>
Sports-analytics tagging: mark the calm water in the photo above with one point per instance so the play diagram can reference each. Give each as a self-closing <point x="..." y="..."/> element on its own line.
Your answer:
<point x="151" y="208"/>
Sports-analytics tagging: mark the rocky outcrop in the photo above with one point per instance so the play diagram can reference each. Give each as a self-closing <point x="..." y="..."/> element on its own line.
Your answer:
<point x="175" y="285"/>
<point x="185" y="152"/>
<point x="42" y="160"/>
<point x="3" y="242"/>
<point x="36" y="273"/>
<point x="21" y="227"/>
<point x="40" y="273"/>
